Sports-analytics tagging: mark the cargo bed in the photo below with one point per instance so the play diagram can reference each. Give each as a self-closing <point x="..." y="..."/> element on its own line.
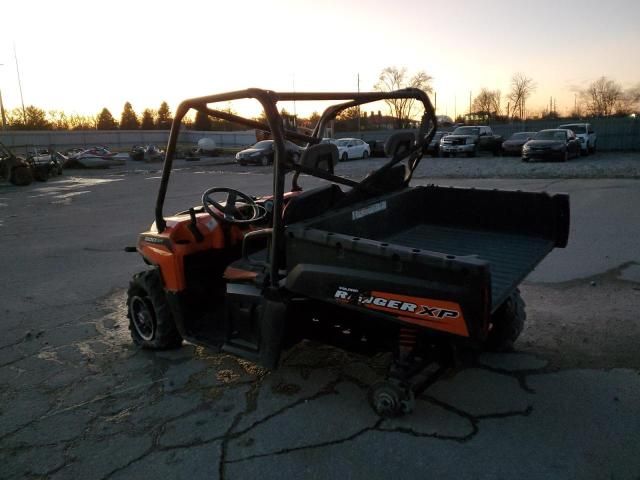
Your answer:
<point x="433" y="242"/>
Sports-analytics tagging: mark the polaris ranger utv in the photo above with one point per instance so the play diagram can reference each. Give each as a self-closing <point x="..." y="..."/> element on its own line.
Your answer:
<point x="370" y="266"/>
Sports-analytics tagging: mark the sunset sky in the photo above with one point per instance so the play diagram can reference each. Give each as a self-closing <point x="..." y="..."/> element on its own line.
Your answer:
<point x="81" y="56"/>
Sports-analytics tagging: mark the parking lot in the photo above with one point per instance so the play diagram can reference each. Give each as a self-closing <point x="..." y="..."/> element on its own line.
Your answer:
<point x="78" y="400"/>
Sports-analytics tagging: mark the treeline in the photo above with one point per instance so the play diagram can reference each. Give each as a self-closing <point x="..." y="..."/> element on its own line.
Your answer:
<point x="34" y="118"/>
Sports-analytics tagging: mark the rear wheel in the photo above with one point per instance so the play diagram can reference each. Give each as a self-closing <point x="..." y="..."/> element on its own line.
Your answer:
<point x="472" y="153"/>
<point x="41" y="174"/>
<point x="344" y="157"/>
<point x="507" y="324"/>
<point x="593" y="149"/>
<point x="365" y="155"/>
<point x="264" y="161"/>
<point x="150" y="320"/>
<point x="21" y="176"/>
<point x="565" y="156"/>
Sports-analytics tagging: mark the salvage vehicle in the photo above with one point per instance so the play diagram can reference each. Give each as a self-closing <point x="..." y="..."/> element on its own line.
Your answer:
<point x="263" y="153"/>
<point x="513" y="145"/>
<point x="375" y="265"/>
<point x="471" y="140"/>
<point x="45" y="163"/>
<point x="551" y="144"/>
<point x="585" y="135"/>
<point x="13" y="168"/>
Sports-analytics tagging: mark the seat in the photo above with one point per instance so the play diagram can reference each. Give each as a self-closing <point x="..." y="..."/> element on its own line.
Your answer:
<point x="399" y="142"/>
<point x="321" y="155"/>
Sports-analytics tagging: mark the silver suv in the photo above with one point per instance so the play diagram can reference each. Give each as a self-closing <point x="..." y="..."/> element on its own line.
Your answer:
<point x="586" y="136"/>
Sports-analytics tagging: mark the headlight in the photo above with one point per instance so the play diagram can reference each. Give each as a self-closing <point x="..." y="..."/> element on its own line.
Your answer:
<point x="238" y="156"/>
<point x="526" y="148"/>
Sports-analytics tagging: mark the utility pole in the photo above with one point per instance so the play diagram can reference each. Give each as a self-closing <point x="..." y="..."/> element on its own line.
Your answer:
<point x="24" y="113"/>
<point x="469" y="102"/>
<point x="4" y="119"/>
<point x="455" y="109"/>
<point x="359" y="135"/>
<point x="435" y="102"/>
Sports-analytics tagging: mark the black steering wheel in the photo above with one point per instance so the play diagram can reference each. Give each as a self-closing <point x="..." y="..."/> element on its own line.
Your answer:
<point x="229" y="212"/>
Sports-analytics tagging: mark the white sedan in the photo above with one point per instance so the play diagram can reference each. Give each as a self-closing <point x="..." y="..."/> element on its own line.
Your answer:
<point x="349" y="148"/>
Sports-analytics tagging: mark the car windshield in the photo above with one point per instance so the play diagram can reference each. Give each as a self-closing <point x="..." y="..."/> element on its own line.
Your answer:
<point x="343" y="143"/>
<point x="466" y="131"/>
<point x="577" y="129"/>
<point x="263" y="144"/>
<point x="550" y="135"/>
<point x="521" y="135"/>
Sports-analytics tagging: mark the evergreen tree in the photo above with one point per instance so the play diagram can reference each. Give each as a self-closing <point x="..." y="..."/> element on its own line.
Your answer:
<point x="147" y="120"/>
<point x="163" y="119"/>
<point x="106" y="121"/>
<point x="129" y="119"/>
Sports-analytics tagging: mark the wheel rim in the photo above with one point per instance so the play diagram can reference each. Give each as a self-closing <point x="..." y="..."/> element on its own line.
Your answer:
<point x="142" y="317"/>
<point x="265" y="161"/>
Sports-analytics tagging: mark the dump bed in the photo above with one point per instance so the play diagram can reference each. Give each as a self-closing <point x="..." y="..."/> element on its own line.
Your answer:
<point x="462" y="250"/>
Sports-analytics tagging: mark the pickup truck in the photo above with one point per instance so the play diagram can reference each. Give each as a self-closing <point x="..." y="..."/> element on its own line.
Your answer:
<point x="471" y="140"/>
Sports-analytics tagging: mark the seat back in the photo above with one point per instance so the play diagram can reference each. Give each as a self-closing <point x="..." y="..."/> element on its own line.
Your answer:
<point x="399" y="142"/>
<point x="312" y="203"/>
<point x="322" y="155"/>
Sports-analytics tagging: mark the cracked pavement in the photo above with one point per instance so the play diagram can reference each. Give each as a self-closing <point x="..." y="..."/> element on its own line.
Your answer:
<point x="78" y="400"/>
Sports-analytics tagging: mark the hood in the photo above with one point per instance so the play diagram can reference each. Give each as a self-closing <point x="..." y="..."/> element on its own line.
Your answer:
<point x="544" y="143"/>
<point x="453" y="137"/>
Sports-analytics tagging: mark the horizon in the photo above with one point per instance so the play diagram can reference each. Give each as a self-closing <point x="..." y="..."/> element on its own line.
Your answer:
<point x="79" y="60"/>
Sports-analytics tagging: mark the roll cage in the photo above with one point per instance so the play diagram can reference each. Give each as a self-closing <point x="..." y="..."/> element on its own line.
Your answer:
<point x="268" y="100"/>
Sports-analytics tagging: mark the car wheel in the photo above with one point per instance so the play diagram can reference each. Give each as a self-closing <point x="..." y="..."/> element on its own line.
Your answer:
<point x="593" y="149"/>
<point x="472" y="153"/>
<point x="344" y="157"/>
<point x="365" y="155"/>
<point x="584" y="152"/>
<point x="264" y="161"/>
<point x="243" y="164"/>
<point x="295" y="157"/>
<point x="525" y="159"/>
<point x="445" y="155"/>
<point x="565" y="157"/>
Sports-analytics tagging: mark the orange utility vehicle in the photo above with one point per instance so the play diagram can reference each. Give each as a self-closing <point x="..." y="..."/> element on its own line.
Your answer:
<point x="371" y="265"/>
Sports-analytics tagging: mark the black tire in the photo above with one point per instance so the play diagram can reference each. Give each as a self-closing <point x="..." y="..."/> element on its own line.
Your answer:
<point x="473" y="153"/>
<point x="295" y="158"/>
<point x="593" y="149"/>
<point x="565" y="157"/>
<point x="344" y="157"/>
<point x="41" y="174"/>
<point x="445" y="155"/>
<point x="150" y="320"/>
<point x="264" y="161"/>
<point x="243" y="164"/>
<point x="507" y="324"/>
<point x="584" y="152"/>
<point x="525" y="159"/>
<point x="365" y="155"/>
<point x="21" y="176"/>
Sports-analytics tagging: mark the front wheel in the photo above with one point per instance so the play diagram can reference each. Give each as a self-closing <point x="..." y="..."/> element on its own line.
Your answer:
<point x="150" y="320"/>
<point x="365" y="155"/>
<point x="344" y="157"/>
<point x="264" y="161"/>
<point x="507" y="324"/>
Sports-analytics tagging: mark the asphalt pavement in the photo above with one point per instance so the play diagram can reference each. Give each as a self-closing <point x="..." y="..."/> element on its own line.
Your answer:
<point x="78" y="400"/>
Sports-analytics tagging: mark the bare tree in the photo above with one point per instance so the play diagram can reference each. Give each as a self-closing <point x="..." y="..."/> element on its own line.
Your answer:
<point x="521" y="89"/>
<point x="629" y="101"/>
<point x="394" y="78"/>
<point x="602" y="97"/>
<point x="487" y="101"/>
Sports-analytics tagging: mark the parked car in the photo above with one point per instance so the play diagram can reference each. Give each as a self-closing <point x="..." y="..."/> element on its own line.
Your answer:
<point x="433" y="148"/>
<point x="471" y="140"/>
<point x="262" y="153"/>
<point x="349" y="148"/>
<point x="513" y="146"/>
<point x="585" y="135"/>
<point x="552" y="144"/>
<point x="376" y="148"/>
